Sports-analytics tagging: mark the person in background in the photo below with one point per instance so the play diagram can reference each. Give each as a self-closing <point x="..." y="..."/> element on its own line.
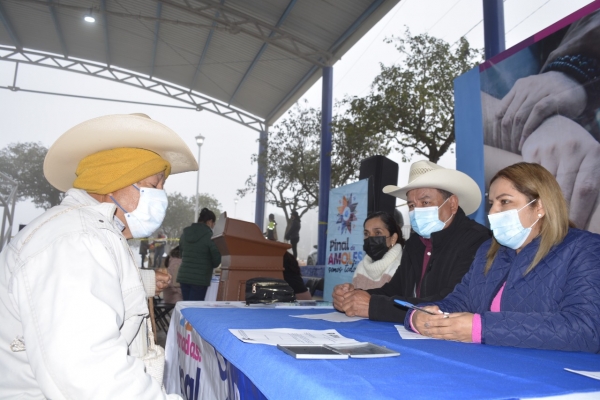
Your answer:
<point x="293" y="276"/>
<point x="535" y="284"/>
<point x="199" y="256"/>
<point x="172" y="293"/>
<point x="73" y="303"/>
<point x="436" y="255"/>
<point x="271" y="233"/>
<point x="159" y="249"/>
<point x="292" y="233"/>
<point x="383" y="243"/>
<point x="144" y="247"/>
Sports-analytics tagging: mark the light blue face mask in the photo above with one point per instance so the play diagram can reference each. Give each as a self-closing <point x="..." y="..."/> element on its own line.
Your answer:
<point x="508" y="229"/>
<point x="426" y="220"/>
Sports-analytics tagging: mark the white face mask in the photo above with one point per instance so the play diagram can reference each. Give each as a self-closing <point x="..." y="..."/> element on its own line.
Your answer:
<point x="149" y="213"/>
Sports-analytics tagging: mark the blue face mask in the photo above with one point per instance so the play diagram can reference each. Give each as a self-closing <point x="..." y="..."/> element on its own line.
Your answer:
<point x="426" y="220"/>
<point x="507" y="227"/>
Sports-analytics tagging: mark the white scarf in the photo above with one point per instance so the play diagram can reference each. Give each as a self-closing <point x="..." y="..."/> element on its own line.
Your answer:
<point x="374" y="270"/>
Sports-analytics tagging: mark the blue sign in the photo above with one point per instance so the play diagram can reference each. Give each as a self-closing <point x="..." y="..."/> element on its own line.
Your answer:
<point x="347" y="213"/>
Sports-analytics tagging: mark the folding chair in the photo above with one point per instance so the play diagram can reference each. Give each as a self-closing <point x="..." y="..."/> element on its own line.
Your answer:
<point x="162" y="313"/>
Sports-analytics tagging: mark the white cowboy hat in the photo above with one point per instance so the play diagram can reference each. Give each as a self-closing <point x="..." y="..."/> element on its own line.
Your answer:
<point x="110" y="132"/>
<point x="425" y="174"/>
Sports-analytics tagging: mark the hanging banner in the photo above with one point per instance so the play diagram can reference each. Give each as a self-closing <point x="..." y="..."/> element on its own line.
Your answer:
<point x="538" y="102"/>
<point x="347" y="213"/>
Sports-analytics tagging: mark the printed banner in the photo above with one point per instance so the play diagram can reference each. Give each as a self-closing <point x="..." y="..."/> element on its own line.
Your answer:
<point x="347" y="213"/>
<point x="203" y="372"/>
<point x="538" y="102"/>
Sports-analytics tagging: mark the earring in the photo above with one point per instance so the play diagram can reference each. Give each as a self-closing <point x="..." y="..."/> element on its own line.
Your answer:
<point x="539" y="215"/>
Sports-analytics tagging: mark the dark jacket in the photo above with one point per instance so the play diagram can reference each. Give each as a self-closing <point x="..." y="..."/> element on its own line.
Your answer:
<point x="199" y="255"/>
<point x="555" y="306"/>
<point x="293" y="231"/>
<point x="453" y="251"/>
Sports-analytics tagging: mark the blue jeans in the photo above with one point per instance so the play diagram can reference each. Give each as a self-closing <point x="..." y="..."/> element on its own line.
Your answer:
<point x="193" y="292"/>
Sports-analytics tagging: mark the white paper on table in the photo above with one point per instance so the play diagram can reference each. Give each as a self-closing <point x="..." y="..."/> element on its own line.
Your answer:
<point x="215" y="304"/>
<point x="589" y="374"/>
<point x="332" y="317"/>
<point x="290" y="336"/>
<point x="404" y="334"/>
<point x="305" y="304"/>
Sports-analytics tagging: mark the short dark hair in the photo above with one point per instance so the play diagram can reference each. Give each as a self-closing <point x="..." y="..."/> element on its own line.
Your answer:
<point x="389" y="222"/>
<point x="206" y="215"/>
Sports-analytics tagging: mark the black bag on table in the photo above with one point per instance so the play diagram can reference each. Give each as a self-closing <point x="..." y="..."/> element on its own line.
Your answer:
<point x="268" y="290"/>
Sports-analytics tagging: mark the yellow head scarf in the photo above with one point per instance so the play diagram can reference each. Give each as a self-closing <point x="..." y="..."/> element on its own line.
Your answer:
<point x="110" y="170"/>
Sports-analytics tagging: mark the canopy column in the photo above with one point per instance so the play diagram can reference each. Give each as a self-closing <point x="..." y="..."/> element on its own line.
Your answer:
<point x="325" y="165"/>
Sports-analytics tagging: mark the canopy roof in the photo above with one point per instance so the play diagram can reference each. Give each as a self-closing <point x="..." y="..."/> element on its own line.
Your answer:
<point x="256" y="56"/>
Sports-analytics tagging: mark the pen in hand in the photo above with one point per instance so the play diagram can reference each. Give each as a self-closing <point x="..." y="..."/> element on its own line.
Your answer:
<point x="412" y="306"/>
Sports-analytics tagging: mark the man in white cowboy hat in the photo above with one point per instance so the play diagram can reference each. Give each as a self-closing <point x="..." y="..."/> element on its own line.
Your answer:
<point x="437" y="254"/>
<point x="72" y="303"/>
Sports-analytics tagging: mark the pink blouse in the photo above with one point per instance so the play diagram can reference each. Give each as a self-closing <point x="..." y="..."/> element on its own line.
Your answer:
<point x="495" y="307"/>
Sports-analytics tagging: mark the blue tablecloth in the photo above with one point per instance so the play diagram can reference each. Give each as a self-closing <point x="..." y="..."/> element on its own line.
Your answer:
<point x="425" y="369"/>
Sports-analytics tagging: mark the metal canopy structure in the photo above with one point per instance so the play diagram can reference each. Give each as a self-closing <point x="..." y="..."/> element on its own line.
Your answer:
<point x="248" y="61"/>
<point x="249" y="58"/>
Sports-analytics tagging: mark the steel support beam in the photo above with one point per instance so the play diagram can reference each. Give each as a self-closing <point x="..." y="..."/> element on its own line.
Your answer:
<point x="8" y="204"/>
<point x="259" y="212"/>
<point x="156" y="36"/>
<point x="194" y="99"/>
<point x="105" y="23"/>
<point x="9" y="28"/>
<point x="227" y="19"/>
<point x="325" y="162"/>
<point x="493" y="27"/>
<point x="262" y="49"/>
<point x="204" y="50"/>
<point x="61" y="37"/>
<point x="332" y="50"/>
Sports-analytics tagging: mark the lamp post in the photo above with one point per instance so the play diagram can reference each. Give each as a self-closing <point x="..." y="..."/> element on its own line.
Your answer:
<point x="199" y="141"/>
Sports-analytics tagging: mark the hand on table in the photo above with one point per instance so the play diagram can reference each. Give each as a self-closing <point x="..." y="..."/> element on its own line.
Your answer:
<point x="163" y="278"/>
<point x="454" y="326"/>
<point x="531" y="101"/>
<point x="572" y="155"/>
<point x="356" y="303"/>
<point x="338" y="295"/>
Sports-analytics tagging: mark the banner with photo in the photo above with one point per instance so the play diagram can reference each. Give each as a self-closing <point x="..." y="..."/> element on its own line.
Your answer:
<point x="539" y="102"/>
<point x="348" y="207"/>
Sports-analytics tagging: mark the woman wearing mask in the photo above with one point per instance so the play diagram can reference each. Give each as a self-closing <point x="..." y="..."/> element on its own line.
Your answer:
<point x="383" y="243"/>
<point x="535" y="284"/>
<point x="199" y="256"/>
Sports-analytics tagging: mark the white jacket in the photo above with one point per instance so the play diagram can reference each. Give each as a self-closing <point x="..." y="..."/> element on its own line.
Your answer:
<point x="70" y="289"/>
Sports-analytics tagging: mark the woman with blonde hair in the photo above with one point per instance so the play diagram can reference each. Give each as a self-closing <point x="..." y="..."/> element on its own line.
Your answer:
<point x="535" y="284"/>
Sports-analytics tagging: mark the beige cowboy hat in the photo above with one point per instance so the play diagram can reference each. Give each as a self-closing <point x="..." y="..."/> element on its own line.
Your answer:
<point x="110" y="132"/>
<point x="425" y="174"/>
